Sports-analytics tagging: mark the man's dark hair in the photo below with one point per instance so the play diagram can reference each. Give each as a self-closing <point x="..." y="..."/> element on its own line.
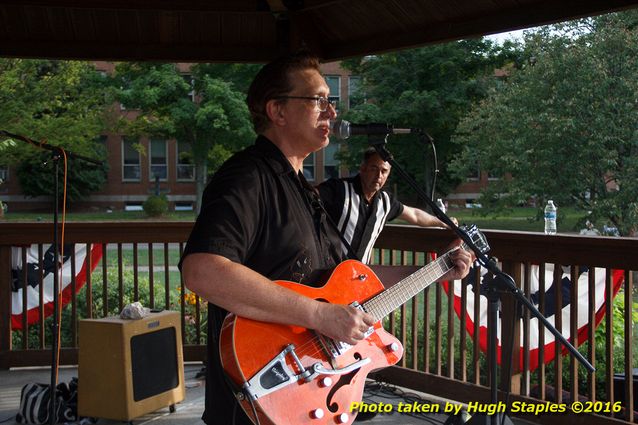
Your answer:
<point x="273" y="80"/>
<point x="369" y="153"/>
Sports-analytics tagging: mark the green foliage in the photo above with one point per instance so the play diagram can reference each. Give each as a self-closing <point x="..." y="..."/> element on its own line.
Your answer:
<point x="563" y="126"/>
<point x="112" y="304"/>
<point x="218" y="116"/>
<point x="37" y="175"/>
<point x="430" y="88"/>
<point x="155" y="205"/>
<point x="58" y="102"/>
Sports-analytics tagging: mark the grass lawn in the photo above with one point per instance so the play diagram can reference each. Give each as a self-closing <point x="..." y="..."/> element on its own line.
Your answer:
<point x="523" y="219"/>
<point x="100" y="216"/>
<point x="517" y="219"/>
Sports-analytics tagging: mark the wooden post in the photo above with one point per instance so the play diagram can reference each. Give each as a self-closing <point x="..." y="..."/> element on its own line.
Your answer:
<point x="510" y="318"/>
<point x="5" y="305"/>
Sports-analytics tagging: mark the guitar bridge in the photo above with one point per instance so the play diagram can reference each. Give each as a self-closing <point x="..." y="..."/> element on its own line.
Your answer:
<point x="275" y="375"/>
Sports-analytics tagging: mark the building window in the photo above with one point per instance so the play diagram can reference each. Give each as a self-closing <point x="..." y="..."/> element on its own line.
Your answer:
<point x="184" y="206"/>
<point x="474" y="173"/>
<point x="334" y="82"/>
<point x="159" y="160"/>
<point x="191" y="83"/>
<point x="356" y="96"/>
<point x="133" y="206"/>
<point x="330" y="163"/>
<point x="185" y="166"/>
<point x="4" y="173"/>
<point x="309" y="167"/>
<point x="131" y="166"/>
<point x="493" y="176"/>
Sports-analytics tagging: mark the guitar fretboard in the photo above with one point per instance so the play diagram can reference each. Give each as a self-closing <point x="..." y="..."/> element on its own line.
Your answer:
<point x="390" y="299"/>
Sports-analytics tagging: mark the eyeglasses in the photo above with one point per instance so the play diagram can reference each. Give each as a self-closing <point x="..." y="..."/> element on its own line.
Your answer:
<point x="320" y="101"/>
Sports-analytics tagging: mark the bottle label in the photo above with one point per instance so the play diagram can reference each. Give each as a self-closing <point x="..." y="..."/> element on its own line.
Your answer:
<point x="550" y="215"/>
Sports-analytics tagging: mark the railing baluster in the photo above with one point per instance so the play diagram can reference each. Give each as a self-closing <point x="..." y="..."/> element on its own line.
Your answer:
<point x="573" y="331"/>
<point x="476" y="352"/>
<point x="151" y="265"/>
<point x="629" y="348"/>
<point x="136" y="288"/>
<point x="526" y="381"/>
<point x="25" y="286"/>
<point x="89" y="280"/>
<point x="167" y="278"/>
<point x="541" y="333"/>
<point x="408" y="259"/>
<point x="463" y="332"/>
<point x="426" y="323"/>
<point x="120" y="278"/>
<point x="591" y="334"/>
<point x="74" y="303"/>
<point x="609" y="337"/>
<point x="105" y="285"/>
<point x="182" y="294"/>
<point x="558" y="322"/>
<point x="41" y="333"/>
<point x="438" y="331"/>
<point x="450" y="328"/>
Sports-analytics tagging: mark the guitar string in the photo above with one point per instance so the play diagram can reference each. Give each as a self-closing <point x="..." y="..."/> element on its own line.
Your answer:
<point x="314" y="346"/>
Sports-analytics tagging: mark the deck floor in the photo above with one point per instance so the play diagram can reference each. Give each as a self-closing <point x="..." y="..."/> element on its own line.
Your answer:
<point x="189" y="411"/>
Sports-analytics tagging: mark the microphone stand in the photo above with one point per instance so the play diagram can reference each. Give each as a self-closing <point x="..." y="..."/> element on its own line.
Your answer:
<point x="56" y="154"/>
<point x="500" y="283"/>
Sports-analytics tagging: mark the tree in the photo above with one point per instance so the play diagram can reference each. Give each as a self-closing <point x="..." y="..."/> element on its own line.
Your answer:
<point x="62" y="103"/>
<point x="215" y="124"/>
<point x="564" y="126"/>
<point x="430" y="88"/>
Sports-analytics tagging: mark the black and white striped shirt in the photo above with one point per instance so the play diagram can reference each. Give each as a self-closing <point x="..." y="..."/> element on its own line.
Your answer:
<point x="360" y="223"/>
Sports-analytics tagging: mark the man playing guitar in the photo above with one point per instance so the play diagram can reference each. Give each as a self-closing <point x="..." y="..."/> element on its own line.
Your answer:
<point x="260" y="222"/>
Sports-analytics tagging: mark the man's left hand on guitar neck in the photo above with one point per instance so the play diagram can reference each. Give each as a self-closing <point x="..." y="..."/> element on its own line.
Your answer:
<point x="462" y="261"/>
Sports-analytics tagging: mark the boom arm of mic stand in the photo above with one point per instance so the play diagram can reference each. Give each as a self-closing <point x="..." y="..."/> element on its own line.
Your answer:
<point x="380" y="145"/>
<point x="49" y="147"/>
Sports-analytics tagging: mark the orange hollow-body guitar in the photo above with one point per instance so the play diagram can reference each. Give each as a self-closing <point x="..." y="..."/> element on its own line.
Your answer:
<point x="290" y="375"/>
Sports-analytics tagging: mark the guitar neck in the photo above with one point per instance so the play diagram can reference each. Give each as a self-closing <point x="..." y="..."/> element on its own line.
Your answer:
<point x="389" y="300"/>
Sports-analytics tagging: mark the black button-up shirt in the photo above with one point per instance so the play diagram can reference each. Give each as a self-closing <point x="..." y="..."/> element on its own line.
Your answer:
<point x="258" y="212"/>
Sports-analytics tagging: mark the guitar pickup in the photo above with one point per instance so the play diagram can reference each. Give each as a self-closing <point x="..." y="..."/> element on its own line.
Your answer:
<point x="336" y="348"/>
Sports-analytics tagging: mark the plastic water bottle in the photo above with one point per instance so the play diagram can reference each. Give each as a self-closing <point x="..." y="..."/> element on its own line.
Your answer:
<point x="441" y="205"/>
<point x="550" y="218"/>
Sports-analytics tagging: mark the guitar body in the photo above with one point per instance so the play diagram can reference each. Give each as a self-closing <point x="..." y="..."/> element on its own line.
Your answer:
<point x="247" y="346"/>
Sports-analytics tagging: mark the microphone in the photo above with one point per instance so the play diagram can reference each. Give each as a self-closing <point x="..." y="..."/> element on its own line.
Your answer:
<point x="343" y="129"/>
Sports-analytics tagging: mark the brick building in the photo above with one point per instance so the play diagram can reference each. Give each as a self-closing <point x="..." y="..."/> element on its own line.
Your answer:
<point x="167" y="169"/>
<point x="132" y="177"/>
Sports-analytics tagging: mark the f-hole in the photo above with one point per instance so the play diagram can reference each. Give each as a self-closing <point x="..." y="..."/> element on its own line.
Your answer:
<point x="343" y="380"/>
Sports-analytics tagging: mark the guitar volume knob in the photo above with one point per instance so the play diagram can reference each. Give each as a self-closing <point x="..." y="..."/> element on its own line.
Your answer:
<point x="325" y="382"/>
<point x="394" y="347"/>
<point x="342" y="418"/>
<point x="316" y="414"/>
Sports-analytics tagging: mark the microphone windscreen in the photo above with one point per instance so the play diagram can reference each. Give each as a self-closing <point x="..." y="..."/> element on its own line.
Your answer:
<point x="341" y="129"/>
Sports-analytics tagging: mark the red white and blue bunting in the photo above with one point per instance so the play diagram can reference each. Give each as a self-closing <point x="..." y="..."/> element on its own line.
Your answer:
<point x="48" y="266"/>
<point x="550" y="303"/>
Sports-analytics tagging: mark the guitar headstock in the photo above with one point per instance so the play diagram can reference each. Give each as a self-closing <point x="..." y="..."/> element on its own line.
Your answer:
<point x="477" y="237"/>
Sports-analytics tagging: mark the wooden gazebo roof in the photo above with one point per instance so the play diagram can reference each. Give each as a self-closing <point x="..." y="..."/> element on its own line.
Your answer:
<point x="258" y="30"/>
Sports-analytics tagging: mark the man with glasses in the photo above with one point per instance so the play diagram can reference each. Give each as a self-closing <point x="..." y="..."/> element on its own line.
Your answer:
<point x="260" y="221"/>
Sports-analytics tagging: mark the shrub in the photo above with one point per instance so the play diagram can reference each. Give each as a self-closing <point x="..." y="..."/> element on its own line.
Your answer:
<point x="155" y="205"/>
